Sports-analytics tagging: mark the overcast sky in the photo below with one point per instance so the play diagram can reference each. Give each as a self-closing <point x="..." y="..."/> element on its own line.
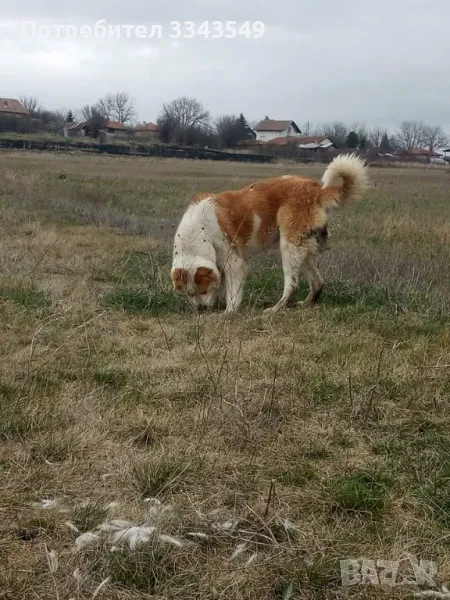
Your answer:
<point x="366" y="61"/>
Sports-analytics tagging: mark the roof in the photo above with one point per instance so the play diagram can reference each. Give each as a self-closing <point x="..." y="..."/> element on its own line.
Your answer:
<point x="115" y="125"/>
<point x="251" y="142"/>
<point x="271" y="125"/>
<point x="313" y="139"/>
<point x="288" y="140"/>
<point x="421" y="152"/>
<point x="11" y="105"/>
<point x="148" y="127"/>
<point x="77" y="126"/>
<point x="314" y="146"/>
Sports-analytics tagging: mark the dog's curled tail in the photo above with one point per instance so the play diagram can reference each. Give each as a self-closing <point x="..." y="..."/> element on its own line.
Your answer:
<point x="353" y="171"/>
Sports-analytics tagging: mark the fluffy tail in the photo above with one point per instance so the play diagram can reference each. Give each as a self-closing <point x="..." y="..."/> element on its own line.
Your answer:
<point x="354" y="174"/>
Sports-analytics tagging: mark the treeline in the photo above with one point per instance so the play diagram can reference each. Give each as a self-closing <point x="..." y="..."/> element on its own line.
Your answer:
<point x="409" y="135"/>
<point x="186" y="122"/>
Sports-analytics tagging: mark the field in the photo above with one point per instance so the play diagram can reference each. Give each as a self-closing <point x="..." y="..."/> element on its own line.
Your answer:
<point x="262" y="451"/>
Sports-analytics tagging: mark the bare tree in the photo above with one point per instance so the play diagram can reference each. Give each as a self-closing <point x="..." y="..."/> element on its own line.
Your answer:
<point x="410" y="135"/>
<point x="180" y="118"/>
<point x="30" y="103"/>
<point x="337" y="131"/>
<point x="187" y="112"/>
<point x="95" y="118"/>
<point x="229" y="131"/>
<point x="376" y="135"/>
<point x="434" y="137"/>
<point x="308" y="129"/>
<point x="363" y="135"/>
<point x="118" y="107"/>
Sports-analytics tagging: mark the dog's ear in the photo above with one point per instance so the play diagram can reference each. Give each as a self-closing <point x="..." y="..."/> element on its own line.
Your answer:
<point x="203" y="279"/>
<point x="180" y="278"/>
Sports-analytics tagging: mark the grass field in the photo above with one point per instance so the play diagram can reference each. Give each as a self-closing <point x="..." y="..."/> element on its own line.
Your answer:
<point x="262" y="451"/>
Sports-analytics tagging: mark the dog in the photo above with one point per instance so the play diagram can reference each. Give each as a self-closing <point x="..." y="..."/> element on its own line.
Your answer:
<point x="218" y="234"/>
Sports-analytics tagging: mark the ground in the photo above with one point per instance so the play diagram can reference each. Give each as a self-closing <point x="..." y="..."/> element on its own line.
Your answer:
<point x="263" y="451"/>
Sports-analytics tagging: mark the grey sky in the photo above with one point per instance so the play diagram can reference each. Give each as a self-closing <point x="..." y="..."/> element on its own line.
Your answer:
<point x="367" y="61"/>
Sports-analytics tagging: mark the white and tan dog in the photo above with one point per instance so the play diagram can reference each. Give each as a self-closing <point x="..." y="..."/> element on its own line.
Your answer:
<point x="219" y="233"/>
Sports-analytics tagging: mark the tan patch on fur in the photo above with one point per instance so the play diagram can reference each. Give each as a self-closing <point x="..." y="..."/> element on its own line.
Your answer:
<point x="293" y="204"/>
<point x="203" y="280"/>
<point x="180" y="278"/>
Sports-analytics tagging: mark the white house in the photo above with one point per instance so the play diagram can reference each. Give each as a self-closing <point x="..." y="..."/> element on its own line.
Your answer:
<point x="269" y="130"/>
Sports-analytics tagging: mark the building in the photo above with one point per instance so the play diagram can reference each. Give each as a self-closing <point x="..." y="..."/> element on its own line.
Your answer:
<point x="116" y="130"/>
<point x="76" y="129"/>
<point x="110" y="129"/>
<point x="422" y="155"/>
<point x="10" y="107"/>
<point x="321" y="142"/>
<point x="315" y="142"/>
<point x="269" y="129"/>
<point x="148" y="132"/>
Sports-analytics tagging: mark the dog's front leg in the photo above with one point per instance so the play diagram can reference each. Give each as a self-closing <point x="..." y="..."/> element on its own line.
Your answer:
<point x="234" y="270"/>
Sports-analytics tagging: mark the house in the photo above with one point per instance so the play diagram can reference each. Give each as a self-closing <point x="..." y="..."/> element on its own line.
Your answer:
<point x="76" y="129"/>
<point x="269" y="129"/>
<point x="10" y="107"/>
<point x="251" y="135"/>
<point x="148" y="132"/>
<point x="315" y="142"/>
<point x="422" y="154"/>
<point x="116" y="130"/>
<point x="318" y="142"/>
<point x="288" y="140"/>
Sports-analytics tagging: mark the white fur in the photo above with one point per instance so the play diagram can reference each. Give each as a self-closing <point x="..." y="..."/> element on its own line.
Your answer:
<point x="200" y="242"/>
<point x="347" y="165"/>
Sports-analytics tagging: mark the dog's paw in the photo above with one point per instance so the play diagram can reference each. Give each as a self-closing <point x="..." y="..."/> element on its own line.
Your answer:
<point x="269" y="312"/>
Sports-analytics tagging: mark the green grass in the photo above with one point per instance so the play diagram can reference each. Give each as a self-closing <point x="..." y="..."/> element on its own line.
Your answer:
<point x="363" y="492"/>
<point x="27" y="297"/>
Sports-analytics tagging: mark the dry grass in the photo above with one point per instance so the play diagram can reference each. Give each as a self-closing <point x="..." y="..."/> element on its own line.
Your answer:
<point x="285" y="445"/>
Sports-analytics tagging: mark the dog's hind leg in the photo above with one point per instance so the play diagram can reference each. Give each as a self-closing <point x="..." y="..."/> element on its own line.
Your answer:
<point x="293" y="257"/>
<point x="314" y="279"/>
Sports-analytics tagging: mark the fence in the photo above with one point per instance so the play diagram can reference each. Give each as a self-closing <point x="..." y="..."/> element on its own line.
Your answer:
<point x="24" y="143"/>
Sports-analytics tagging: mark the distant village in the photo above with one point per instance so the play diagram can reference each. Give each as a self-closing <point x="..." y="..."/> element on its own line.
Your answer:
<point x="186" y="122"/>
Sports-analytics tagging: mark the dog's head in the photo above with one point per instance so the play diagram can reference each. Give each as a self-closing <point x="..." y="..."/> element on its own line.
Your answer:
<point x="199" y="283"/>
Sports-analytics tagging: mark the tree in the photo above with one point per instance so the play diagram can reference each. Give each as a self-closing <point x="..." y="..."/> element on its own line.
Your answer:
<point x="410" y="135"/>
<point x="244" y="127"/>
<point x="243" y="122"/>
<point x="118" y="107"/>
<point x="434" y="137"/>
<point x="376" y="135"/>
<point x="180" y="118"/>
<point x="385" y="143"/>
<point x="30" y="103"/>
<point x="352" y="140"/>
<point x="95" y="118"/>
<point x="337" y="131"/>
<point x="70" y="117"/>
<point x="229" y="131"/>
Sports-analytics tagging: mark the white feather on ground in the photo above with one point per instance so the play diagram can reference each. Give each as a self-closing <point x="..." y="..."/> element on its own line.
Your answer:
<point x="85" y="539"/>
<point x="132" y="536"/>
